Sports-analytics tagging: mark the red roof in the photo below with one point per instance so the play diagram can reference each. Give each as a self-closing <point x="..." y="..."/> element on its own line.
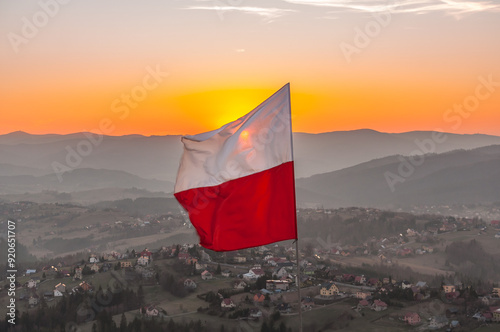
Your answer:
<point x="412" y="316"/>
<point x="259" y="297"/>
<point x="227" y="301"/>
<point x="258" y="272"/>
<point x="364" y="303"/>
<point x="380" y="303"/>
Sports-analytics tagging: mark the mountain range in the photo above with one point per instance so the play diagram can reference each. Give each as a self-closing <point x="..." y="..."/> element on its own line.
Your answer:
<point x="344" y="168"/>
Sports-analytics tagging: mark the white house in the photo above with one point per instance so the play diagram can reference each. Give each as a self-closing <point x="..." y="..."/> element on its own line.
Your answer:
<point x="151" y="311"/>
<point x="280" y="273"/>
<point x="239" y="284"/>
<point x="227" y="304"/>
<point x="143" y="260"/>
<point x="254" y="273"/>
<point x="31" y="283"/>
<point x="206" y="275"/>
<point x="190" y="284"/>
<point x="61" y="287"/>
<point x="93" y="259"/>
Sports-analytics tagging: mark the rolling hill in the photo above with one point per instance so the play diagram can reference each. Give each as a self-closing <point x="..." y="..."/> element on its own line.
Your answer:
<point x="157" y="157"/>
<point x="461" y="176"/>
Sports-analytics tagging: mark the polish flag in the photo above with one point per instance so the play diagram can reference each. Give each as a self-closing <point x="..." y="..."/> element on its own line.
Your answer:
<point x="237" y="182"/>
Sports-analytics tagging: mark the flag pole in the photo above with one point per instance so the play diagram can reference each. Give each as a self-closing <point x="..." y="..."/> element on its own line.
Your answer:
<point x="296" y="228"/>
<point x="298" y="283"/>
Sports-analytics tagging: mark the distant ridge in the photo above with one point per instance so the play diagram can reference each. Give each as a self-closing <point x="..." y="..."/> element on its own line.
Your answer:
<point x="456" y="177"/>
<point x="157" y="156"/>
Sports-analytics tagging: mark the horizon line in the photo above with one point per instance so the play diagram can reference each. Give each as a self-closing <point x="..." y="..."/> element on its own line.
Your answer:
<point x="295" y="132"/>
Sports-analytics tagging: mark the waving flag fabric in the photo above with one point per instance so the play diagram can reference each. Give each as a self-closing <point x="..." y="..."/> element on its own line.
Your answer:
<point x="237" y="182"/>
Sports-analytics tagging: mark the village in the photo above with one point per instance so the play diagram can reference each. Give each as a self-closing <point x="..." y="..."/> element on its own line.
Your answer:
<point x="358" y="279"/>
<point x="263" y="281"/>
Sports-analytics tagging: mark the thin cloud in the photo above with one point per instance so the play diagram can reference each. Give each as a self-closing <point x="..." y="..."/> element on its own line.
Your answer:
<point x="268" y="14"/>
<point x="455" y="8"/>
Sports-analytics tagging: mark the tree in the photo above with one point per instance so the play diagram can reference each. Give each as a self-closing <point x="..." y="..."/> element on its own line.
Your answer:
<point x="140" y="295"/>
<point x="261" y="282"/>
<point x="219" y="270"/>
<point x="123" y="323"/>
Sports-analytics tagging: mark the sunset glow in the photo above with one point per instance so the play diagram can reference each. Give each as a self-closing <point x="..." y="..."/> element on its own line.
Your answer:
<point x="185" y="67"/>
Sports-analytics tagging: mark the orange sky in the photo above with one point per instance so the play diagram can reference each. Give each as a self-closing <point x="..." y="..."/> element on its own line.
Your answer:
<point x="222" y="61"/>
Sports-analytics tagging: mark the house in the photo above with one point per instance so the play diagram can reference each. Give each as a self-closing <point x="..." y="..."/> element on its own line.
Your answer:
<point x="362" y="295"/>
<point x="363" y="304"/>
<point x="146" y="253"/>
<point x="254" y="273"/>
<point x="255" y="313"/>
<point x="361" y="280"/>
<point x="421" y="284"/>
<point x="374" y="282"/>
<point x="57" y="293"/>
<point x="240" y="284"/>
<point x="125" y="264"/>
<point x="348" y="277"/>
<point x="226" y="273"/>
<point x="85" y="286"/>
<point x="412" y="318"/>
<point x="189" y="284"/>
<point x="282" y="285"/>
<point x="307" y="303"/>
<point x="61" y="287"/>
<point x="200" y="266"/>
<point x="488" y="316"/>
<point x="93" y="259"/>
<point x="150" y="311"/>
<point x="284" y="308"/>
<point x="78" y="273"/>
<point x="406" y="284"/>
<point x="143" y="260"/>
<point x="280" y="272"/>
<point x="329" y="289"/>
<point x="94" y="268"/>
<point x="379" y="305"/>
<point x="227" y="304"/>
<point x="495" y="315"/>
<point x="259" y="298"/>
<point x="449" y="288"/>
<point x="309" y="270"/>
<point x="206" y="275"/>
<point x="438" y="322"/>
<point x="496" y="292"/>
<point x="31" y="283"/>
<point x="239" y="259"/>
<point x="33" y="300"/>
